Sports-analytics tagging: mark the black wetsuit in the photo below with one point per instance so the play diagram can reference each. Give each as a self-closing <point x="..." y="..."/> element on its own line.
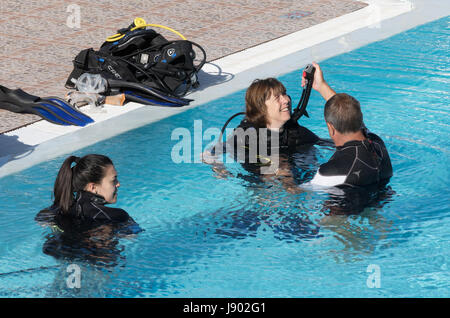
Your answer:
<point x="91" y="207"/>
<point x="291" y="137"/>
<point x="89" y="231"/>
<point x="356" y="163"/>
<point x="88" y="210"/>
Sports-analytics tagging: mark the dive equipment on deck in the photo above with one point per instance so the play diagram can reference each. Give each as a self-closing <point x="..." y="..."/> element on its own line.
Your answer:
<point x="139" y="56"/>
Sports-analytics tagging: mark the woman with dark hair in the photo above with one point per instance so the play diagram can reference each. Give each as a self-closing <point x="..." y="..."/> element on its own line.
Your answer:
<point x="82" y="188"/>
<point x="83" y="226"/>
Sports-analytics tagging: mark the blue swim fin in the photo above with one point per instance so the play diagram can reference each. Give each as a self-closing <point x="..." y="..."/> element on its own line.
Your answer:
<point x="76" y="115"/>
<point x="52" y="109"/>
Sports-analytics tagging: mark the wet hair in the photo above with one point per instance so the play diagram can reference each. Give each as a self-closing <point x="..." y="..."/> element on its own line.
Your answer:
<point x="255" y="100"/>
<point x="90" y="168"/>
<point x="344" y="113"/>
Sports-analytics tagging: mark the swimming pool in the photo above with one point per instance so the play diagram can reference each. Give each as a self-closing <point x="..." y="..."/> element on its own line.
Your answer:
<point x="210" y="237"/>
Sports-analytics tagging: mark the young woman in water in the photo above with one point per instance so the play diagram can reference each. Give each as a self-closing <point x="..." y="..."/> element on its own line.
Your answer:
<point x="83" y="187"/>
<point x="83" y="226"/>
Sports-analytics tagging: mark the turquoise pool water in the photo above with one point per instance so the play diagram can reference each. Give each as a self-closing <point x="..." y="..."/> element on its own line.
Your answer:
<point x="210" y="237"/>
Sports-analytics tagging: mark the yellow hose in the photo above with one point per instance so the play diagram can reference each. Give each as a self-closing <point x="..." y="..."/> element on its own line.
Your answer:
<point x="139" y="24"/>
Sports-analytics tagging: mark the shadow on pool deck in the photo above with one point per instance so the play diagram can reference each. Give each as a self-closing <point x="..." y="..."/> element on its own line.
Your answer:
<point x="12" y="149"/>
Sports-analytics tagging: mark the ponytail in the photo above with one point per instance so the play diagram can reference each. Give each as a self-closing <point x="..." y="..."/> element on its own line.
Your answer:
<point x="62" y="189"/>
<point x="90" y="168"/>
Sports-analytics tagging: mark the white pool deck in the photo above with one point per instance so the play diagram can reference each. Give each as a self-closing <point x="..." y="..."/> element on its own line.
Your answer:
<point x="42" y="141"/>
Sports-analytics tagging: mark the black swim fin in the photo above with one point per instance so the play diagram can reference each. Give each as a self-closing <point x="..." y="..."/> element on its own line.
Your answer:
<point x="52" y="109"/>
<point x="144" y="90"/>
<point x="147" y="100"/>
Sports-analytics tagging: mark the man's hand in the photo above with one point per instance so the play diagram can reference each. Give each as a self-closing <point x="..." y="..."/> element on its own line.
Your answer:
<point x="319" y="83"/>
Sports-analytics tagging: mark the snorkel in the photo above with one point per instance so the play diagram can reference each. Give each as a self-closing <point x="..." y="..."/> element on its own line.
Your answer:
<point x="308" y="74"/>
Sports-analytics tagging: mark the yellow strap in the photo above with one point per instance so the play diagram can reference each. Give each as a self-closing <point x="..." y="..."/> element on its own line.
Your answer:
<point x="268" y="160"/>
<point x="139" y="24"/>
<point x="56" y="228"/>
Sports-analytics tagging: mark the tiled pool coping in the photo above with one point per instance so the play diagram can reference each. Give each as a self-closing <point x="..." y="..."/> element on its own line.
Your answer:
<point x="41" y="141"/>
